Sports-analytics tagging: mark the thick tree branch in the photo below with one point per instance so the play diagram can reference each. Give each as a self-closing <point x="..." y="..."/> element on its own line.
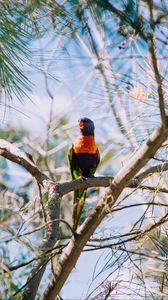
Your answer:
<point x="105" y="181"/>
<point x="12" y="153"/>
<point x="123" y="179"/>
<point x="51" y="236"/>
<point x="104" y="206"/>
<point x="18" y="156"/>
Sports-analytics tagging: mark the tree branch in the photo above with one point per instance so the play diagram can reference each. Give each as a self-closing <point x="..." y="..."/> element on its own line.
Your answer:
<point x="104" y="206"/>
<point x="14" y="154"/>
<point x="150" y="171"/>
<point x="105" y="181"/>
<point x="56" y="191"/>
<point x="158" y="78"/>
<point x="148" y="38"/>
<point x="50" y="238"/>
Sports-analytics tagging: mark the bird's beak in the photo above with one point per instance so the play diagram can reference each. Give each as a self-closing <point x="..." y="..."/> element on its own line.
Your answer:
<point x="80" y="124"/>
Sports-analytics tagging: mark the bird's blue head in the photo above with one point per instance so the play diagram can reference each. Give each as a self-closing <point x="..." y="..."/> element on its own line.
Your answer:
<point x="86" y="126"/>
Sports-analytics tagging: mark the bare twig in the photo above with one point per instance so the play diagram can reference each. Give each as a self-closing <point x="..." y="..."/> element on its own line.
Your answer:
<point x="158" y="78"/>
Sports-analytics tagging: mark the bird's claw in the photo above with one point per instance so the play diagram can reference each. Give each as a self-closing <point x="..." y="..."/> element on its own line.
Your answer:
<point x="82" y="178"/>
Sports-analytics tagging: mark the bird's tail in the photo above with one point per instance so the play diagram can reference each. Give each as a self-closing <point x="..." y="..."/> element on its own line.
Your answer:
<point x="79" y="200"/>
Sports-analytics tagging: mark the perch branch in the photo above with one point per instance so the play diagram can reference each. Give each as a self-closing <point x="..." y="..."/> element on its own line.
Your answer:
<point x="72" y="252"/>
<point x="55" y="191"/>
<point x="14" y="154"/>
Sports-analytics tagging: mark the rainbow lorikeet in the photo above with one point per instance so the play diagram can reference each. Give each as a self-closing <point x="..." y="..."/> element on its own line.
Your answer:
<point x="83" y="160"/>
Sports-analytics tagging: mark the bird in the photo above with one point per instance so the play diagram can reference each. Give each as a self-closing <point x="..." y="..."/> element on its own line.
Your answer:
<point x="83" y="158"/>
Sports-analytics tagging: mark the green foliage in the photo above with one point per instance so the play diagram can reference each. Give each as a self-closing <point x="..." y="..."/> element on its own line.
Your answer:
<point x="20" y="24"/>
<point x="13" y="50"/>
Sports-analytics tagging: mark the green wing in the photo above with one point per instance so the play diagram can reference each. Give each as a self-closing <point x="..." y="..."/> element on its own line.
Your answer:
<point x="79" y="196"/>
<point x="75" y="173"/>
<point x="70" y="151"/>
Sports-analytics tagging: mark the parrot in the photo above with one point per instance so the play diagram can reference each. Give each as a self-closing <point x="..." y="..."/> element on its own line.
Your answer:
<point x="83" y="158"/>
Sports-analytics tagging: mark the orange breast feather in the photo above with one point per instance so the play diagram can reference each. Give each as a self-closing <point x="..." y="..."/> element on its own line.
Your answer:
<point x="85" y="144"/>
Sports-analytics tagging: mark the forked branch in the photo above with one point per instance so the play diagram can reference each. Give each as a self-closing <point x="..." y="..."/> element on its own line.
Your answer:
<point x="124" y="178"/>
<point x="104" y="206"/>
